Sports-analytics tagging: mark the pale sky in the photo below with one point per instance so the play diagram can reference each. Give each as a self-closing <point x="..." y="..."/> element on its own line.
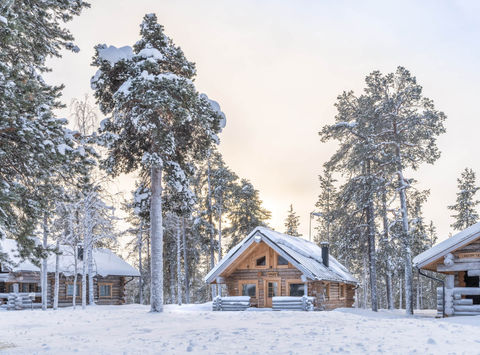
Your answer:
<point x="276" y="68"/>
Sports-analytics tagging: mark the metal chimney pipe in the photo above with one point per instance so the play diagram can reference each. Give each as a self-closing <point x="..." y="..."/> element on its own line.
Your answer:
<point x="324" y="253"/>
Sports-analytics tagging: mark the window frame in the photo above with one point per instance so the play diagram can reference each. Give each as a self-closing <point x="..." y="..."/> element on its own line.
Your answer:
<point x="105" y="284"/>
<point x="295" y="281"/>
<point x="66" y="289"/>
<point x="248" y="282"/>
<point x="262" y="266"/>
<point x="342" y="291"/>
<point x="282" y="266"/>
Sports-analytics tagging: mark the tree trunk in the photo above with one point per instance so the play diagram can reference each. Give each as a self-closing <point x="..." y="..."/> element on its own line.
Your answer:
<point x="179" y="260"/>
<point x="365" y="282"/>
<point x="185" y="264"/>
<point x="388" y="281"/>
<point x="372" y="256"/>
<point x="84" y="272"/>
<point x="400" y="294"/>
<point x="386" y="248"/>
<point x="140" y="246"/>
<point x="219" y="287"/>
<point x="91" y="295"/>
<point x="172" y="283"/>
<point x="156" y="235"/>
<point x="44" y="269"/>
<point x="75" y="276"/>
<point x="57" y="277"/>
<point x="210" y="227"/>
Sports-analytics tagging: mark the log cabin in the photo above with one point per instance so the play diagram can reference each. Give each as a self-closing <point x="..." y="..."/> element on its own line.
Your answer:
<point x="268" y="264"/>
<point x="458" y="258"/>
<point x="111" y="274"/>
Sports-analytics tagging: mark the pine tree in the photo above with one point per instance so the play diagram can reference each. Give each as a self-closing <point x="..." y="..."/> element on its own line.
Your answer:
<point x="465" y="207"/>
<point x="157" y="122"/>
<point x="325" y="206"/>
<point x="409" y="127"/>
<point x="33" y="143"/>
<point x="246" y="213"/>
<point x="292" y="222"/>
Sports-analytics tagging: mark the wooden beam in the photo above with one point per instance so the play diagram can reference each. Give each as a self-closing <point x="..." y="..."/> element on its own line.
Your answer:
<point x="459" y="267"/>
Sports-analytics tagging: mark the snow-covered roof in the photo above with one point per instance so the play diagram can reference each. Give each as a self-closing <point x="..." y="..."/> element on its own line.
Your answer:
<point x="304" y="255"/>
<point x="447" y="246"/>
<point x="105" y="262"/>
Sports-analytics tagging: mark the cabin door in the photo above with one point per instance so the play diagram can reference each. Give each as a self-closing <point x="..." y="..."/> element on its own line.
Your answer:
<point x="272" y="289"/>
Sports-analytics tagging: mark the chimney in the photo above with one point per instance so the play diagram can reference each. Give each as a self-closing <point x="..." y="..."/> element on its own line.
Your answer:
<point x="324" y="253"/>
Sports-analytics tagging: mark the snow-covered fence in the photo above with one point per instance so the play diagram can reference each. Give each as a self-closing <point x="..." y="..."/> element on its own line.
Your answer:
<point x="235" y="303"/>
<point x="17" y="301"/>
<point x="284" y="303"/>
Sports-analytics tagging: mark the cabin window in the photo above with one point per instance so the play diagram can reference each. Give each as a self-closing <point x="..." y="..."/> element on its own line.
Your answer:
<point x="249" y="290"/>
<point x="342" y="291"/>
<point x="105" y="290"/>
<point x="297" y="290"/>
<point x="281" y="261"/>
<point x="262" y="261"/>
<point x="70" y="290"/>
<point x="27" y="288"/>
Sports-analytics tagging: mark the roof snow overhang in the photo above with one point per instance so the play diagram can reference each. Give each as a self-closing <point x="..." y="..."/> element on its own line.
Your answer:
<point x="449" y="245"/>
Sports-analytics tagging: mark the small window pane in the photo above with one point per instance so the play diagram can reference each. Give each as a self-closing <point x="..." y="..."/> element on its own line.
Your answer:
<point x="272" y="289"/>
<point x="261" y="261"/>
<point x="297" y="290"/>
<point x="105" y="291"/>
<point x="249" y="290"/>
<point x="70" y="290"/>
<point x="281" y="260"/>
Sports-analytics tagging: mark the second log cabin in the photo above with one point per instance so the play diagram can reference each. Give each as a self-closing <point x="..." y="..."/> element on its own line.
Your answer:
<point x="458" y="258"/>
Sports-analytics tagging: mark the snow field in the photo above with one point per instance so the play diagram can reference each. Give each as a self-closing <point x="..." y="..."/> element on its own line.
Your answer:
<point x="131" y="329"/>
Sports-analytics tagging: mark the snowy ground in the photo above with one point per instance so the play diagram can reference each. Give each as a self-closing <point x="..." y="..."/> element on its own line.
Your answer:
<point x="132" y="329"/>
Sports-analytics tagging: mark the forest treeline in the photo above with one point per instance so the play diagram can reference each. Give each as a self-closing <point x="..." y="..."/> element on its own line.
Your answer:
<point x="188" y="207"/>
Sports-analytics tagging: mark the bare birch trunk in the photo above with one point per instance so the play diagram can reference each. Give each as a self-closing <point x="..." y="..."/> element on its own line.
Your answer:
<point x="400" y="293"/>
<point x="91" y="295"/>
<point x="44" y="268"/>
<point x="84" y="272"/>
<point x="57" y="277"/>
<point x="185" y="264"/>
<point x="140" y="246"/>
<point x="75" y="276"/>
<point x="179" y="259"/>
<point x="156" y="235"/>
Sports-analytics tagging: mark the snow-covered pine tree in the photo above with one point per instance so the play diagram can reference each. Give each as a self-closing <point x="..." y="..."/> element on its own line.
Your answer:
<point x="358" y="157"/>
<point x="325" y="205"/>
<point x="32" y="141"/>
<point x="292" y="222"/>
<point x="157" y="122"/>
<point x="465" y="207"/>
<point x="246" y="213"/>
<point x="410" y="125"/>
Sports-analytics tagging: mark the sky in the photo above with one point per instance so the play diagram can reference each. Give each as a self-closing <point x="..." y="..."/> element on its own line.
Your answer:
<point x="276" y="68"/>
